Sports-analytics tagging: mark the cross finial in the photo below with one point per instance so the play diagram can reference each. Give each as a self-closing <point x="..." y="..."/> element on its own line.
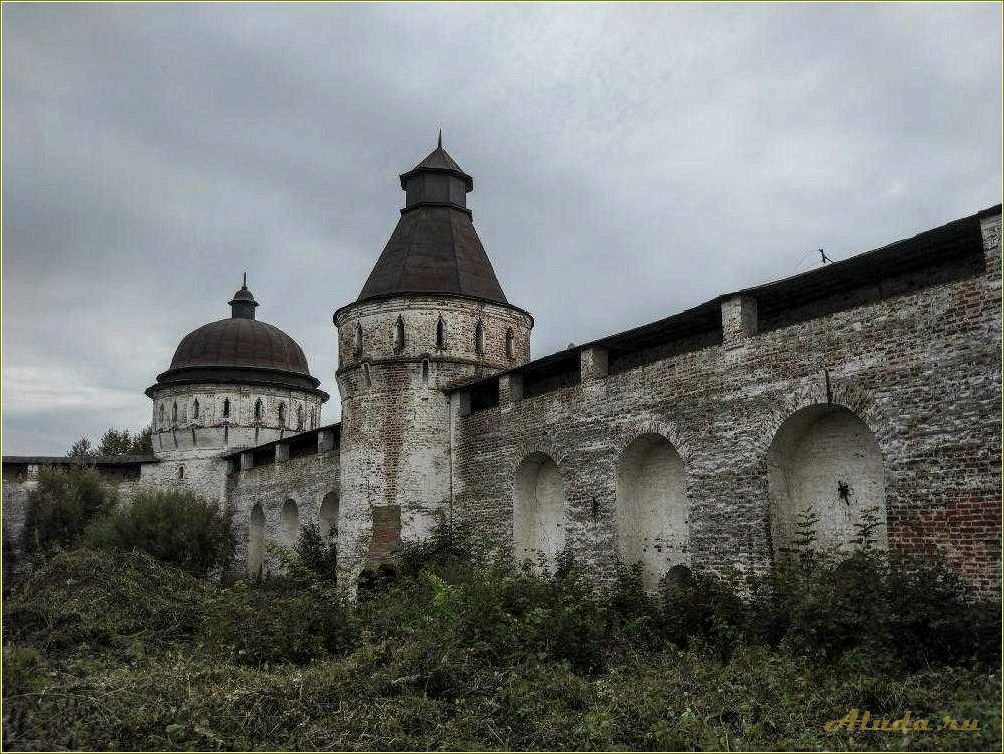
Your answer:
<point x="439" y="144"/>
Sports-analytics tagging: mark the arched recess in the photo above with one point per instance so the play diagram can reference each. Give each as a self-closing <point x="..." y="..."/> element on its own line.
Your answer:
<point x="538" y="509"/>
<point x="290" y="521"/>
<point x="825" y="460"/>
<point x="328" y="517"/>
<point x="652" y="507"/>
<point x="256" y="543"/>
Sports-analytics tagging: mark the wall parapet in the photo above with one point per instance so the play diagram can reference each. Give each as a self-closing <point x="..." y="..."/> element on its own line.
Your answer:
<point x="952" y="252"/>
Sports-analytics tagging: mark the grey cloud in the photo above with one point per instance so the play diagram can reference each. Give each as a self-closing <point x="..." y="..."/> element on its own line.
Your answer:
<point x="629" y="160"/>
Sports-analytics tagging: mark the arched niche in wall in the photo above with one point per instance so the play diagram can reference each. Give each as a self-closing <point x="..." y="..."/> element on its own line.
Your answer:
<point x="538" y="510"/>
<point x="256" y="543"/>
<point x="652" y="507"/>
<point x="290" y="523"/>
<point x="825" y="462"/>
<point x="328" y="517"/>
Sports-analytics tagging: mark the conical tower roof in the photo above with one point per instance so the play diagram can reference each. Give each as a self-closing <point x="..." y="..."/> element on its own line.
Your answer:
<point x="435" y="249"/>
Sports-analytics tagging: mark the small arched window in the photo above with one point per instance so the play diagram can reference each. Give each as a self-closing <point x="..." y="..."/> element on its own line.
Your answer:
<point x="479" y="338"/>
<point x="282" y="414"/>
<point x="299" y="417"/>
<point x="174" y="413"/>
<point x="425" y="371"/>
<point x="440" y="334"/>
<point x="359" y="339"/>
<point x="195" y="409"/>
<point x="226" y="407"/>
<point x="257" y="410"/>
<point x="399" y="333"/>
<point x="510" y="345"/>
<point x="181" y="472"/>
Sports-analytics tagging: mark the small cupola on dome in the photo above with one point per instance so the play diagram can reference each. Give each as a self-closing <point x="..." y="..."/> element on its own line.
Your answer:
<point x="242" y="305"/>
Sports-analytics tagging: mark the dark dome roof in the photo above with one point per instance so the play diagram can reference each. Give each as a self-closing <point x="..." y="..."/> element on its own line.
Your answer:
<point x="240" y="342"/>
<point x="240" y="350"/>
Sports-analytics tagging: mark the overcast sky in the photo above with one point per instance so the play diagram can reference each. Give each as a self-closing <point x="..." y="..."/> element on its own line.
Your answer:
<point x="629" y="162"/>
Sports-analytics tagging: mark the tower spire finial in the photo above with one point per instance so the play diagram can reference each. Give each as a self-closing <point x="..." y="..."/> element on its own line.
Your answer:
<point x="242" y="305"/>
<point x="439" y="144"/>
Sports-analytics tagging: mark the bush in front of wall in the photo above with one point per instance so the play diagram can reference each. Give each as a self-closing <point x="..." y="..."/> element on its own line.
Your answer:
<point x="62" y="506"/>
<point x="174" y="526"/>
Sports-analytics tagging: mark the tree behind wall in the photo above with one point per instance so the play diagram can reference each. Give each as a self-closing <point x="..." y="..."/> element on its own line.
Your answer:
<point x="115" y="442"/>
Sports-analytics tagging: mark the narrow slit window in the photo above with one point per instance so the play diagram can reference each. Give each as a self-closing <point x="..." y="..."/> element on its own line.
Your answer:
<point x="181" y="472"/>
<point x="440" y="334"/>
<point x="299" y="417"/>
<point x="174" y="413"/>
<point x="425" y="371"/>
<point x="359" y="339"/>
<point x="399" y="333"/>
<point x="257" y="410"/>
<point x="162" y="414"/>
<point x="479" y="338"/>
<point x="282" y="414"/>
<point x="226" y="407"/>
<point x="510" y="345"/>
<point x="195" y="409"/>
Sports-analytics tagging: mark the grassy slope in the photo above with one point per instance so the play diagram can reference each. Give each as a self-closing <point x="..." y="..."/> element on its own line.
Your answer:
<point x="111" y="652"/>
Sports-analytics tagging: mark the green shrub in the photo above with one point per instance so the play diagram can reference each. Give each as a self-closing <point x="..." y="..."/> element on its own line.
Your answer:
<point x="295" y="618"/>
<point x="445" y="547"/>
<point x="927" y="617"/>
<point x="62" y="505"/>
<point x="96" y="598"/>
<point x="632" y="611"/>
<point x="317" y="553"/>
<point x="700" y="606"/>
<point x="174" y="526"/>
<point x="23" y="670"/>
<point x="909" y="609"/>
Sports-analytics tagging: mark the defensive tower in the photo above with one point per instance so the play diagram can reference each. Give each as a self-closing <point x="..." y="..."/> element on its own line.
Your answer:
<point x="431" y="315"/>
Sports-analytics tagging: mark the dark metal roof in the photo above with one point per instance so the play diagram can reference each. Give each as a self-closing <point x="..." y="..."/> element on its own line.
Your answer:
<point x="240" y="349"/>
<point x="298" y="436"/>
<point x="958" y="239"/>
<point x="434" y="250"/>
<point x="89" y="461"/>
<point x="439" y="161"/>
<point x="240" y="342"/>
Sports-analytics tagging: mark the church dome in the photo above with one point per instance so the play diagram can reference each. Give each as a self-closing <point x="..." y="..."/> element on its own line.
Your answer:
<point x="240" y="349"/>
<point x="236" y="342"/>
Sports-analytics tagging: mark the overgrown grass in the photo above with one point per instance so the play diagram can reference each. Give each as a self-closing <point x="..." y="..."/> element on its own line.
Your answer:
<point x="117" y="651"/>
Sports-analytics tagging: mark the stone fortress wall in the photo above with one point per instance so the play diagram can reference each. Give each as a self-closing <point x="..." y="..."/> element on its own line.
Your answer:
<point x="870" y="385"/>
<point x="699" y="441"/>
